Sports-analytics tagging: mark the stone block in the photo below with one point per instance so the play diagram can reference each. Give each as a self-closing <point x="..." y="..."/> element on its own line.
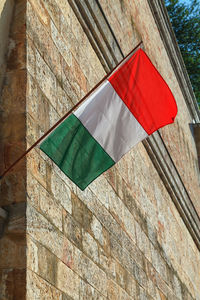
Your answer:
<point x="129" y="224"/>
<point x="13" y="252"/>
<point x="50" y="208"/>
<point x="125" y="193"/>
<point x="133" y="250"/>
<point x="88" y="292"/>
<point x="151" y="232"/>
<point x="6" y="11"/>
<point x="159" y="263"/>
<point x="131" y="286"/>
<point x="17" y="55"/>
<point x="140" y="276"/>
<point x="124" y="295"/>
<point x="63" y="102"/>
<point x="43" y="116"/>
<point x="77" y="208"/>
<point x="16" y="58"/>
<point x="177" y="287"/>
<point x="72" y="230"/>
<point x="54" y="11"/>
<point x="62" y="46"/>
<point x="68" y="281"/>
<point x="101" y="213"/>
<point x="78" y="73"/>
<point x="30" y="58"/>
<point x="70" y="39"/>
<point x="116" y="249"/>
<point x="116" y="207"/>
<point x="33" y="190"/>
<point x="97" y="230"/>
<point x="69" y="255"/>
<point x="38" y="288"/>
<point x="13" y="284"/>
<point x="162" y="296"/>
<point x="41" y="11"/>
<point x="90" y="272"/>
<point x="47" y="265"/>
<point x="61" y="192"/>
<point x="16" y="225"/>
<point x="113" y="290"/>
<point x="38" y="33"/>
<point x="38" y="166"/>
<point x="11" y="188"/>
<point x="142" y="294"/>
<point x="104" y="261"/>
<point x="151" y="289"/>
<point x="150" y="271"/>
<point x="103" y="191"/>
<point x="45" y="78"/>
<point x="81" y="213"/>
<point x="143" y="242"/>
<point x="53" y="116"/>
<point x="13" y="135"/>
<point x="32" y="97"/>
<point x="121" y="275"/>
<point x="32" y="254"/>
<point x="66" y="11"/>
<point x="33" y="130"/>
<point x="19" y="19"/>
<point x="90" y="246"/>
<point x="82" y="49"/>
<point x="38" y="227"/>
<point x="72" y="91"/>
<point x="161" y="284"/>
<point x="66" y="297"/>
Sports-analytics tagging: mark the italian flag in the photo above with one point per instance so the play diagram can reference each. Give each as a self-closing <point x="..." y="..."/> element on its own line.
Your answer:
<point x="130" y="105"/>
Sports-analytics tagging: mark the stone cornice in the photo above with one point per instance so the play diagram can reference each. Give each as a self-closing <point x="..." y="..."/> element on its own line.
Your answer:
<point x="105" y="44"/>
<point x="166" y="168"/>
<point x="98" y="31"/>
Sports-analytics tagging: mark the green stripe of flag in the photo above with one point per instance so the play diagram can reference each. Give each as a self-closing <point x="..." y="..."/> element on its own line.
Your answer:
<point x="76" y="152"/>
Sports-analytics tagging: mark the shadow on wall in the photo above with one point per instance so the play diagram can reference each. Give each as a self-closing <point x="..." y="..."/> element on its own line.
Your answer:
<point x="195" y="129"/>
<point x="6" y="10"/>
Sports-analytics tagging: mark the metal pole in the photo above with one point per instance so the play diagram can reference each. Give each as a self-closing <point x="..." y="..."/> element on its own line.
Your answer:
<point x="68" y="113"/>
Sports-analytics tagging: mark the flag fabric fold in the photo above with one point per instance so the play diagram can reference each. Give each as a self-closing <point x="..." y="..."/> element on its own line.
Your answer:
<point x="130" y="105"/>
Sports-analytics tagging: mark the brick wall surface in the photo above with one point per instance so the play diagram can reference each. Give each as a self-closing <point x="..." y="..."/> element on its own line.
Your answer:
<point x="122" y="238"/>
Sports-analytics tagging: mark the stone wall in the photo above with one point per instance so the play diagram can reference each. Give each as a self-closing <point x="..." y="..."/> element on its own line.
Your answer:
<point x="6" y="9"/>
<point x="12" y="144"/>
<point x="123" y="237"/>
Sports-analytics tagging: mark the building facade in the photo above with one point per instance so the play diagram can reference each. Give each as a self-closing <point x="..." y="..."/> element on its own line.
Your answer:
<point x="134" y="233"/>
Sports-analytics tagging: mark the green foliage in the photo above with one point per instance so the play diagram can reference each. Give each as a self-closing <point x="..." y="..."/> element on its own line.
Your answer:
<point x="185" y="19"/>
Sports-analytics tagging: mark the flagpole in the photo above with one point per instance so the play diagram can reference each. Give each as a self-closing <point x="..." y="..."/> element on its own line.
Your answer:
<point x="69" y="112"/>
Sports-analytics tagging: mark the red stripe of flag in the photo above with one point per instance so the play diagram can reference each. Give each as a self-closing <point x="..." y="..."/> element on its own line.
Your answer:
<point x="144" y="92"/>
